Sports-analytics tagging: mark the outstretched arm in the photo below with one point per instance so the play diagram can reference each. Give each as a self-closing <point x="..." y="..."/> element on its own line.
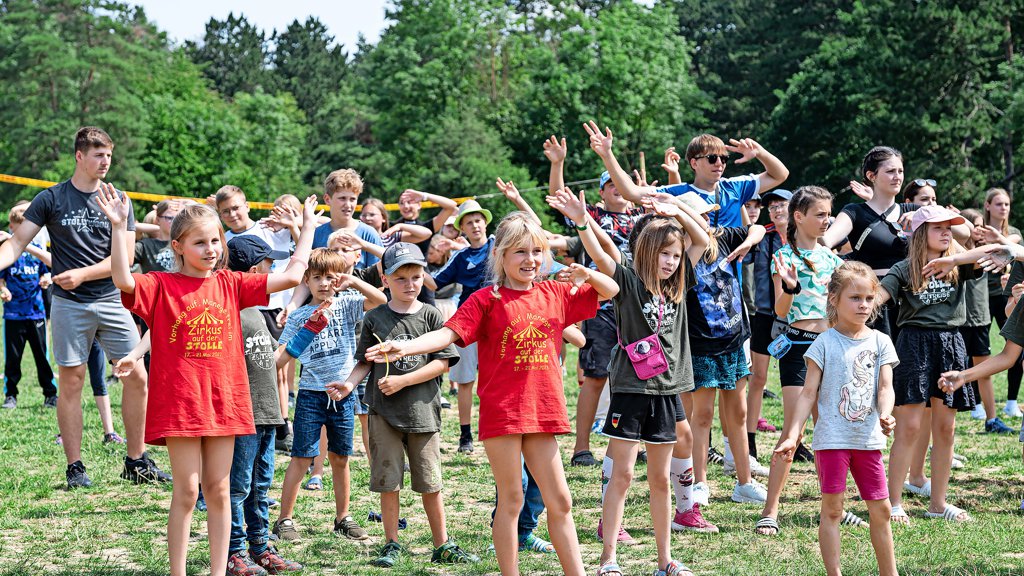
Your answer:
<point x="116" y="210"/>
<point x="775" y="172"/>
<point x="391" y="350"/>
<point x="575" y="209"/>
<point x="602" y="145"/>
<point x="555" y="152"/>
<point x="292" y="275"/>
<point x="512" y="193"/>
<point x="448" y="206"/>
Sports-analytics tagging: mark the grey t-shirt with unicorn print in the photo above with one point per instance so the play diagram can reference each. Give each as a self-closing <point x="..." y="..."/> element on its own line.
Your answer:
<point x="848" y="395"/>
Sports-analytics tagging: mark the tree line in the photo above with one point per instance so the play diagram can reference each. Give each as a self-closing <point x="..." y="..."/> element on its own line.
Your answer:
<point x="457" y="92"/>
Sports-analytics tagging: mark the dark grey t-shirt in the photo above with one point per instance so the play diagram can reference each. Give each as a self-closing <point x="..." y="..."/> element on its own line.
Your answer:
<point x="417" y="408"/>
<point x="79" y="236"/>
<point x="636" y="317"/>
<point x="939" y="305"/>
<point x="977" y="300"/>
<point x="153" y="255"/>
<point x="258" y="346"/>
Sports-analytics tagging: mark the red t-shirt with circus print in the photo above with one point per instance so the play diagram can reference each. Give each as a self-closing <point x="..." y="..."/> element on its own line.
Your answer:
<point x="518" y="340"/>
<point x="197" y="379"/>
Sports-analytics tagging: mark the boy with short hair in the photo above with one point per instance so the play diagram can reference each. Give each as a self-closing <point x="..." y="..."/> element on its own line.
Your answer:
<point x="21" y="290"/>
<point x="322" y="336"/>
<point x="341" y="192"/>
<point x="404" y="403"/>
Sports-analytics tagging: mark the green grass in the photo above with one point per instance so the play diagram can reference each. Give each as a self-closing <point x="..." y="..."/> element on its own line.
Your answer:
<point x="118" y="529"/>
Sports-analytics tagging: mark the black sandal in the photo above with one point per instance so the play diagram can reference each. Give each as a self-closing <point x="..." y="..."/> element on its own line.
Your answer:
<point x="583" y="458"/>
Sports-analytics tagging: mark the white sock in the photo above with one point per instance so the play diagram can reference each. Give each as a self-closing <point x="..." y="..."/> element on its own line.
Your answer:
<point x="681" y="476"/>
<point x="1011" y="405"/>
<point x="606" y="475"/>
<point x="728" y="452"/>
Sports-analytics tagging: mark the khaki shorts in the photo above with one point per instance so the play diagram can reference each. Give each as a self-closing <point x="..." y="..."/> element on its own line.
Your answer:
<point x="75" y="324"/>
<point x="388" y="449"/>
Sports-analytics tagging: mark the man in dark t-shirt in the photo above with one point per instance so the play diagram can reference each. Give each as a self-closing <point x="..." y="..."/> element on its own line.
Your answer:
<point x="86" y="305"/>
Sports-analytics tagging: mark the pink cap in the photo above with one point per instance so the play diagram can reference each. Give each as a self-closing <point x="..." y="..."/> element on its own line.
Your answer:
<point x="934" y="213"/>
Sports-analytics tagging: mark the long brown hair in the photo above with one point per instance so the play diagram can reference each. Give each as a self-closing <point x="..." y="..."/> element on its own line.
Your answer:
<point x="803" y="199"/>
<point x="1004" y="229"/>
<point x="658" y="233"/>
<point x="918" y="257"/>
<point x="841" y="277"/>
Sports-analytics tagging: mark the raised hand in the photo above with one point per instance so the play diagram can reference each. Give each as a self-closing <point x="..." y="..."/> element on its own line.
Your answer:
<point x="600" y="143"/>
<point x="787" y="272"/>
<point x="746" y="147"/>
<point x="554" y="150"/>
<point x="660" y="207"/>
<point x="578" y="276"/>
<point x="508" y="189"/>
<point x="113" y="206"/>
<point x="390" y="231"/>
<point x="321" y="311"/>
<point x="569" y="205"/>
<point x="990" y="234"/>
<point x="310" y="214"/>
<point x="861" y="190"/>
<point x="671" y="164"/>
<point x="410" y="195"/>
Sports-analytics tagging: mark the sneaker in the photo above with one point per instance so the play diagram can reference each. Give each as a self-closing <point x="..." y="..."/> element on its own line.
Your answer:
<point x="465" y="445"/>
<point x="273" y="563"/>
<point x="240" y="564"/>
<point x="756" y="469"/>
<point x="997" y="426"/>
<point x="50" y="402"/>
<point x="752" y="493"/>
<point x="769" y="394"/>
<point x="445" y="403"/>
<point x="200" y="501"/>
<point x="113" y="438"/>
<point x="285" y="530"/>
<point x="76" y="476"/>
<point x="764" y="426"/>
<point x="715" y="457"/>
<point x="143" y="470"/>
<point x="693" y="521"/>
<point x="350" y="529"/>
<point x="802" y="454"/>
<point x="389" y="555"/>
<point x="979" y="413"/>
<point x="10" y="403"/>
<point x="450" y="553"/>
<point x="1012" y="410"/>
<point x="623" y="538"/>
<point x="701" y="493"/>
<point x="598" y="426"/>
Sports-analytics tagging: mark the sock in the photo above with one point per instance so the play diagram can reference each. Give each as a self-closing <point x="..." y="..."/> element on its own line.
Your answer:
<point x="751" y="444"/>
<point x="728" y="452"/>
<point x="606" y="475"/>
<point x="1010" y="405"/>
<point x="681" y="475"/>
<point x="465" y="431"/>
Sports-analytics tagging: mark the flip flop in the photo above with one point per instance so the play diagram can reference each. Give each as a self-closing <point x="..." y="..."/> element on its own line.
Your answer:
<point x="898" y="516"/>
<point x="851" y="519"/>
<point x="314" y="483"/>
<point x="767" y="523"/>
<point x="951" y="513"/>
<point x="609" y="569"/>
<point x="924" y="490"/>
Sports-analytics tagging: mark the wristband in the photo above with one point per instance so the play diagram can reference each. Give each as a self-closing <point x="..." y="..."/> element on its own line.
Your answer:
<point x="316" y="326"/>
<point x="298" y="343"/>
<point x="578" y="227"/>
<point x="791" y="291"/>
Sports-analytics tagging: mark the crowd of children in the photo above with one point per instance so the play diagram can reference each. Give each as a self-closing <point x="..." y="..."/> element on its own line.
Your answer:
<point x="879" y="319"/>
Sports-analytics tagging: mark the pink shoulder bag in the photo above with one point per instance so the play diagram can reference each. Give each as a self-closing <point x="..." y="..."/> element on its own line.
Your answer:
<point x="646" y="354"/>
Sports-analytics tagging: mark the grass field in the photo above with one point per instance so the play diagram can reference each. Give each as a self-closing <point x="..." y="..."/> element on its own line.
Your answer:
<point x="118" y="529"/>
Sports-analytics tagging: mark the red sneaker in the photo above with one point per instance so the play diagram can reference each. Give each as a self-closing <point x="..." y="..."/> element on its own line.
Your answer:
<point x="624" y="537"/>
<point x="693" y="521"/>
<point x="273" y="563"/>
<point x="764" y="426"/>
<point x="240" y="564"/>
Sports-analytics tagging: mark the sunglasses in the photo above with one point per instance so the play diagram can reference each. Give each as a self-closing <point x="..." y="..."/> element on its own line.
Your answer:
<point x="920" y="183"/>
<point x="715" y="158"/>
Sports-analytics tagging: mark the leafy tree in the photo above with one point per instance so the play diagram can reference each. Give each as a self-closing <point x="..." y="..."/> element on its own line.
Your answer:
<point x="308" y="64"/>
<point x="234" y="55"/>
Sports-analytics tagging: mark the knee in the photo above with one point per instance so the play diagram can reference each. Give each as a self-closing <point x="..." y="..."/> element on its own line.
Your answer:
<point x="880" y="512"/>
<point x="622" y="476"/>
<point x="559" y="504"/>
<point x="831" y="512"/>
<point x="942" y="431"/>
<point x="509" y="503"/>
<point x="701" y="417"/>
<point x="185" y="495"/>
<point x="337" y="460"/>
<point x="658" y="481"/>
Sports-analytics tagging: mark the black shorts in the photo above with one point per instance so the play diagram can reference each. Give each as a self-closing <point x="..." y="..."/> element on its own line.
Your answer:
<point x="792" y="367"/>
<point x="601" y="338"/>
<point x="47" y="299"/>
<point x="761" y="332"/>
<point x="885" y="322"/>
<point x="270" y="317"/>
<point x="643" y="417"/>
<point x="925" y="353"/>
<point x="976" y="340"/>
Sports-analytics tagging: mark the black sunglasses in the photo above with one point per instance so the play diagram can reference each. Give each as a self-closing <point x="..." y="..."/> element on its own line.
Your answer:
<point x="920" y="183"/>
<point x="715" y="158"/>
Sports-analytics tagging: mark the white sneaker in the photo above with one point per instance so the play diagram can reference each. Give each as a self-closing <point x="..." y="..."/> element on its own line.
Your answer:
<point x="979" y="413"/>
<point x="756" y="469"/>
<point x="1012" y="410"/>
<point x="701" y="493"/>
<point x="752" y="493"/>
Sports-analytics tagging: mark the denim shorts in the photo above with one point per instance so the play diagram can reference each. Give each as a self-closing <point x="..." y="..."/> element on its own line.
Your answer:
<point x="314" y="410"/>
<point x="360" y="406"/>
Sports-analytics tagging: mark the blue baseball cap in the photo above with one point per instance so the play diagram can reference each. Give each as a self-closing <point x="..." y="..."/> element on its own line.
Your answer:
<point x="605" y="177"/>
<point x="777" y="194"/>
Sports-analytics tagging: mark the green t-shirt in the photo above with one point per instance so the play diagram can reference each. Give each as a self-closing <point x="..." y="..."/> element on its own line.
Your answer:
<point x="939" y="305"/>
<point x="977" y="300"/>
<point x="812" y="300"/>
<point x="413" y="409"/>
<point x="1013" y="329"/>
<point x="636" y="317"/>
<point x="995" y="287"/>
<point x="259" y="345"/>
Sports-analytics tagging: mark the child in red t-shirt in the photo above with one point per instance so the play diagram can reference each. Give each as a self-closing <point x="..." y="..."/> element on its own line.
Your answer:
<point x="518" y="324"/>
<point x="197" y="403"/>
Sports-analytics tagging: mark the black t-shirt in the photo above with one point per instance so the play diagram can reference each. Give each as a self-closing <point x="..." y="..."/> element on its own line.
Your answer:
<point x="153" y="255"/>
<point x="79" y="236"/>
<point x="259" y="345"/>
<point x="886" y="244"/>
<point x="714" y="307"/>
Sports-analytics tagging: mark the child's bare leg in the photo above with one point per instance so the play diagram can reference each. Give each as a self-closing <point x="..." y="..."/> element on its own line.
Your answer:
<point x="465" y="402"/>
<point x="659" y="460"/>
<point x="340" y="475"/>
<point x="540" y="451"/>
<point x="755" y="393"/>
<point x="293" y="476"/>
<point x="623" y="453"/>
<point x="916" y="475"/>
<point x="734" y="408"/>
<point x="779" y="471"/>
<point x="216" y="473"/>
<point x="828" y="531"/>
<point x="318" y="461"/>
<point x="943" y="427"/>
<point x="701" y="416"/>
<point x="909" y="419"/>
<point x="881" y="536"/>
<point x="365" y="434"/>
<point x="503" y="453"/>
<point x="433" y="505"/>
<point x="389" y="509"/>
<point x="106" y="416"/>
<point x="186" y="461"/>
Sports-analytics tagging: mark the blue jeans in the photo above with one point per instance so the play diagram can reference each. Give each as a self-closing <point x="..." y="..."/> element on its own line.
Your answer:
<point x="252" y="471"/>
<point x="533" y="506"/>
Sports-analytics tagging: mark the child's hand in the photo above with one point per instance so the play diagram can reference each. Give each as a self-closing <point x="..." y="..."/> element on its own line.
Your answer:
<point x="951" y="381"/>
<point x="740" y="253"/>
<point x="410" y="195"/>
<point x="310" y="215"/>
<point x="554" y="150"/>
<point x="600" y="143"/>
<point x="5" y="294"/>
<point x="989" y="234"/>
<point x="508" y="189"/>
<point x="786" y="273"/>
<point x="391" y="384"/>
<point x="747" y="147"/>
<point x="344" y="282"/>
<point x="387" y="351"/>
<point x="568" y="204"/>
<point x="113" y="206"/>
<point x="69" y="279"/>
<point x="1017" y="290"/>
<point x="578" y="275"/>
<point x="999" y="256"/>
<point x="784" y="450"/>
<point x="888" y="424"/>
<point x="563" y="275"/>
<point x="671" y="164"/>
<point x="864" y="192"/>
<point x="4" y="236"/>
<point x="390" y="231"/>
<point x="45" y="281"/>
<point x="938" y="267"/>
<point x="125" y="366"/>
<point x="670" y="209"/>
<point x="322" y="311"/>
<point x="339" y="390"/>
